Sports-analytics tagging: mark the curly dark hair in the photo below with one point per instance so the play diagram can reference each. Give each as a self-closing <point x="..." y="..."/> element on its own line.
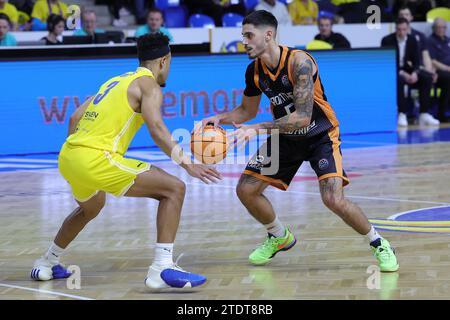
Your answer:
<point x="151" y="42"/>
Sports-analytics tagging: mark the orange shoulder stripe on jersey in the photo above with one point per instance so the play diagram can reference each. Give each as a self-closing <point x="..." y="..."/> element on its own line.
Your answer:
<point x="256" y="75"/>
<point x="274" y="77"/>
<point x="323" y="104"/>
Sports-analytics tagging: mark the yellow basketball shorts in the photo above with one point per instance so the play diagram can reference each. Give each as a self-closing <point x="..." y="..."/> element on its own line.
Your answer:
<point x="89" y="171"/>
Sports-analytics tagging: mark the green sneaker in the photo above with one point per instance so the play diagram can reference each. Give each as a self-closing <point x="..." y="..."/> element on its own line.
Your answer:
<point x="265" y="252"/>
<point x="385" y="255"/>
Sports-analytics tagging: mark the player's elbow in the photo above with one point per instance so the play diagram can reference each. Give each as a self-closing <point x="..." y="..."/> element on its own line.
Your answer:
<point x="306" y="121"/>
<point x="301" y="122"/>
<point x="156" y="130"/>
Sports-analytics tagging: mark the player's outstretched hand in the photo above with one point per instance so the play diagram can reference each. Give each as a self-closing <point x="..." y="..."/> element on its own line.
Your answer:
<point x="204" y="173"/>
<point x="241" y="136"/>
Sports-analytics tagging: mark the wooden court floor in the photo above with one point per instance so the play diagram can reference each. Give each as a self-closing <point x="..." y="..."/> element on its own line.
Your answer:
<point x="216" y="234"/>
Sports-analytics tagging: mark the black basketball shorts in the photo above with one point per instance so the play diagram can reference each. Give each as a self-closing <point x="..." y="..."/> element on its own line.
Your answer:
<point x="277" y="162"/>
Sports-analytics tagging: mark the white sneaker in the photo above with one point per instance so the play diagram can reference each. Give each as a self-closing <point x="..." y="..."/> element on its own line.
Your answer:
<point x="172" y="277"/>
<point x="44" y="270"/>
<point x="402" y="121"/>
<point x="119" y="23"/>
<point x="426" y="119"/>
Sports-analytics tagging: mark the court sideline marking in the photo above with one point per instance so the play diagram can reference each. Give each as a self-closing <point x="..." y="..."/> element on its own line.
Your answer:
<point x="46" y="291"/>
<point x="318" y="194"/>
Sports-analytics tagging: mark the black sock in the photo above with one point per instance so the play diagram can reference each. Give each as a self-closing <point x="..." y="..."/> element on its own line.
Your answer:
<point x="376" y="243"/>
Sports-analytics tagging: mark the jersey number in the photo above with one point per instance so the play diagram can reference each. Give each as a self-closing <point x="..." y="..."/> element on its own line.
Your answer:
<point x="100" y="96"/>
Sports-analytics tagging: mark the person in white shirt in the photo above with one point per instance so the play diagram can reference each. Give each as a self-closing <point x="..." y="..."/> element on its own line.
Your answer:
<point x="409" y="74"/>
<point x="278" y="9"/>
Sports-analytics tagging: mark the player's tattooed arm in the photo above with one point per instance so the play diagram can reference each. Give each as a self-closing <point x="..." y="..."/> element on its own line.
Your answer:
<point x="303" y="98"/>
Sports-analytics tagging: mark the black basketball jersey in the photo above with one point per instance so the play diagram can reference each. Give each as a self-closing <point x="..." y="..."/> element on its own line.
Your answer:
<point x="278" y="87"/>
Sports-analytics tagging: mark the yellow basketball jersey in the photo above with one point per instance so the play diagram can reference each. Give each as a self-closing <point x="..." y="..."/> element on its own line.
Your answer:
<point x="109" y="123"/>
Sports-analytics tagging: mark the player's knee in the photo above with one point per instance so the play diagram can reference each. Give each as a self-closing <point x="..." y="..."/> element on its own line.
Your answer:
<point x="91" y="213"/>
<point x="178" y="188"/>
<point x="92" y="209"/>
<point x="333" y="202"/>
<point x="245" y="191"/>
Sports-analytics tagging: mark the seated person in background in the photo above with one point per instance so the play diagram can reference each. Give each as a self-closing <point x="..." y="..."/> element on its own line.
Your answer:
<point x="11" y="12"/>
<point x="303" y="11"/>
<point x="55" y="27"/>
<point x="43" y="9"/>
<point x="439" y="47"/>
<point x="326" y="34"/>
<point x="419" y="8"/>
<point x="426" y="69"/>
<point x="408" y="62"/>
<point x="154" y="24"/>
<point x="6" y="39"/>
<point x="278" y="9"/>
<point x="88" y="24"/>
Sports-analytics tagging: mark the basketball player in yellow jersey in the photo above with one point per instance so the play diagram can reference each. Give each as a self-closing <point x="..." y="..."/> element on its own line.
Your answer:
<point x="306" y="128"/>
<point x="92" y="161"/>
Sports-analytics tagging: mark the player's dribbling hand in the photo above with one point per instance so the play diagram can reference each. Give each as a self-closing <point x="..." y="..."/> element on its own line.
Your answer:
<point x="215" y="121"/>
<point x="203" y="172"/>
<point x="241" y="136"/>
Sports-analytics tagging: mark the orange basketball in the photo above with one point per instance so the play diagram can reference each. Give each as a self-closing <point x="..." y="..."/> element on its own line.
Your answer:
<point x="210" y="145"/>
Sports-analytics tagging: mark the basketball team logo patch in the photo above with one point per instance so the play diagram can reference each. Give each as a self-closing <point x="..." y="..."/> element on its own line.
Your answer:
<point x="323" y="164"/>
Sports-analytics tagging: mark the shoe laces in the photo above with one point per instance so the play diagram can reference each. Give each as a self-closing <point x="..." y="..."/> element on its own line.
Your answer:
<point x="269" y="243"/>
<point x="384" y="252"/>
<point x="176" y="266"/>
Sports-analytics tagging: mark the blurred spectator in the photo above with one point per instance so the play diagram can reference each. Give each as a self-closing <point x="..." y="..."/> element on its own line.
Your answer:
<point x="426" y="69"/>
<point x="55" y="27"/>
<point x="353" y="11"/>
<point x="6" y="39"/>
<point x="408" y="63"/>
<point x="419" y="8"/>
<point x="326" y="34"/>
<point x="439" y="47"/>
<point x="11" y="12"/>
<point x="88" y="24"/>
<point x="118" y="9"/>
<point x="278" y="9"/>
<point x="43" y="9"/>
<point x="154" y="24"/>
<point x="303" y="11"/>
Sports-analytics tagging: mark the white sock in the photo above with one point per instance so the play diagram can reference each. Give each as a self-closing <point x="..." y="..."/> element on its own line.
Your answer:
<point x="163" y="255"/>
<point x="54" y="253"/>
<point x="372" y="235"/>
<point x="276" y="228"/>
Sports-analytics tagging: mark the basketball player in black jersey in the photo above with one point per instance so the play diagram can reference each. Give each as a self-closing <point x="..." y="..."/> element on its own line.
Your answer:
<point x="304" y="128"/>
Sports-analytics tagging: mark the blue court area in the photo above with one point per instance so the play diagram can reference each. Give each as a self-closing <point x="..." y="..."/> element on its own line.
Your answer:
<point x="40" y="161"/>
